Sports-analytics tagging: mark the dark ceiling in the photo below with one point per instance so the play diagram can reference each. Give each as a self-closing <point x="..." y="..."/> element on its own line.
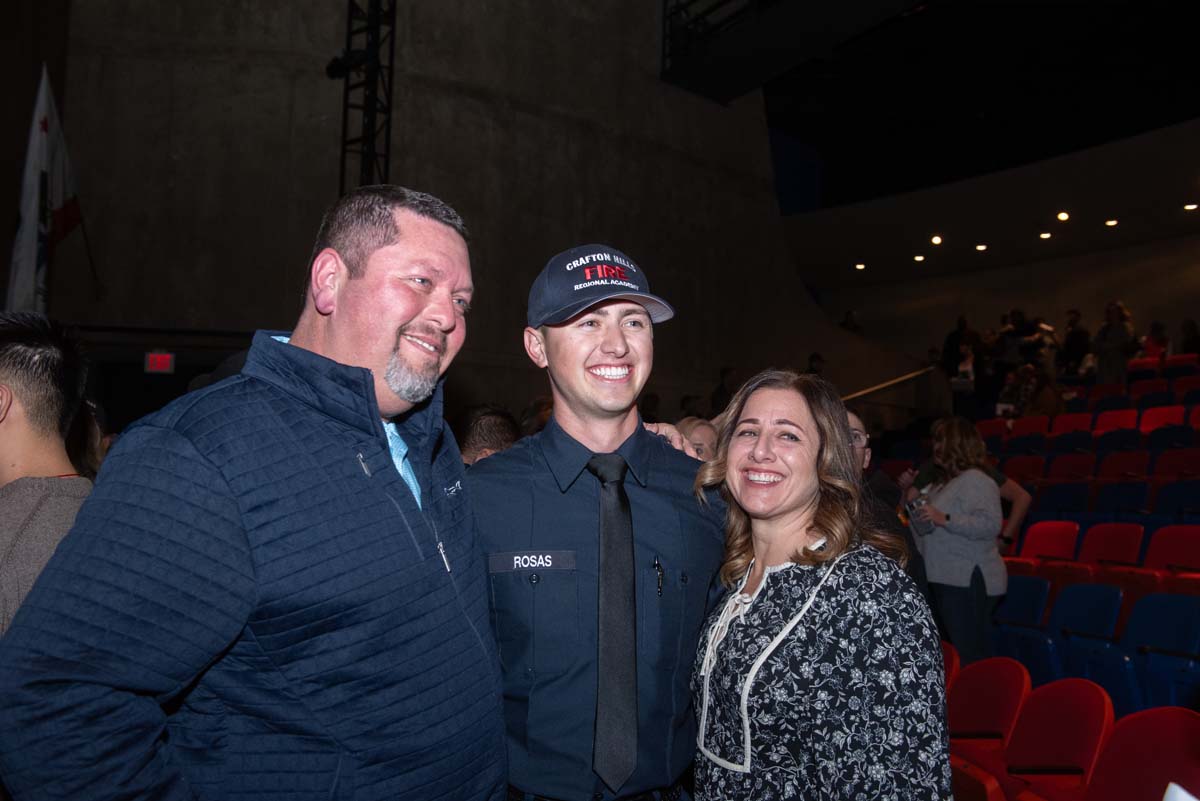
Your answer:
<point x="868" y="98"/>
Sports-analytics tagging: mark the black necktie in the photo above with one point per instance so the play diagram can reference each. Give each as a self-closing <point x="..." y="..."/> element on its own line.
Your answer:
<point x="614" y="752"/>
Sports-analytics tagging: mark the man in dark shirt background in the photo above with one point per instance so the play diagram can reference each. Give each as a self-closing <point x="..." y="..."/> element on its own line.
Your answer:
<point x="540" y="508"/>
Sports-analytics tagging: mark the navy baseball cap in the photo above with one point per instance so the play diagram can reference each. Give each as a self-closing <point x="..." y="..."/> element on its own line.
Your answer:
<point x="579" y="278"/>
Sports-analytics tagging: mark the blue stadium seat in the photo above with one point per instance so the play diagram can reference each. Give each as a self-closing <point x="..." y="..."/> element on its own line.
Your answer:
<point x="1112" y="403"/>
<point x="1054" y="501"/>
<point x="1020" y="611"/>
<point x="1081" y="610"/>
<point x="1156" y="399"/>
<point x="1123" y="439"/>
<point x="1156" y="662"/>
<point x="1179" y="499"/>
<point x="1122" y="499"/>
<point x="1169" y="437"/>
<point x="1025" y="444"/>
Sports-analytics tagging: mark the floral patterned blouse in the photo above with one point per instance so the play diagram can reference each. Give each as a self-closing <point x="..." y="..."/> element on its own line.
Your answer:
<point x="845" y="701"/>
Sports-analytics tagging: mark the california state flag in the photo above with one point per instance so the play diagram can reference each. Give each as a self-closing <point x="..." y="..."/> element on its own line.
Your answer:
<point x="49" y="208"/>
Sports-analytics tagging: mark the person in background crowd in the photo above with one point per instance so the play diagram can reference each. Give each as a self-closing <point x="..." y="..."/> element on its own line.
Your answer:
<point x="912" y="482"/>
<point x="42" y="376"/>
<point x="1114" y="344"/>
<point x="821" y="674"/>
<point x="721" y="394"/>
<point x="957" y="522"/>
<point x="600" y="558"/>
<point x="648" y="407"/>
<point x="691" y="406"/>
<point x="877" y="509"/>
<point x="1189" y="339"/>
<point x="816" y="363"/>
<point x="275" y="590"/>
<point x="535" y="415"/>
<point x="952" y="347"/>
<point x="1077" y="343"/>
<point x="1156" y="344"/>
<point x="483" y="430"/>
<point x="1044" y="396"/>
<point x="702" y="434"/>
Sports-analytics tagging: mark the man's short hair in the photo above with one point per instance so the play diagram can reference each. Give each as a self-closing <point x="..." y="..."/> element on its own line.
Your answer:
<point x="363" y="220"/>
<point x="43" y="364"/>
<point x="486" y="428"/>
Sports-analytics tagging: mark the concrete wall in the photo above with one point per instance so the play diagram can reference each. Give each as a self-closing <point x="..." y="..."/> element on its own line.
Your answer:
<point x="1157" y="280"/>
<point x="205" y="138"/>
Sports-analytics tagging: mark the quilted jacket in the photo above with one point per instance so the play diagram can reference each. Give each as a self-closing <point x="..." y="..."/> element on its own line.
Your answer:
<point x="251" y="605"/>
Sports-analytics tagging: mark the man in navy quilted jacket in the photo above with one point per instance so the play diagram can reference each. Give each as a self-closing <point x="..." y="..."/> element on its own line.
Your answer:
<point x="274" y="591"/>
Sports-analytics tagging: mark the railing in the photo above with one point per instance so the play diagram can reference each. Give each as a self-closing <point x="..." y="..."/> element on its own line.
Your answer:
<point x="897" y="402"/>
<point x="862" y="393"/>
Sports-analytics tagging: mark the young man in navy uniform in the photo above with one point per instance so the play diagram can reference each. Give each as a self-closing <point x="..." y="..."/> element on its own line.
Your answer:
<point x="600" y="557"/>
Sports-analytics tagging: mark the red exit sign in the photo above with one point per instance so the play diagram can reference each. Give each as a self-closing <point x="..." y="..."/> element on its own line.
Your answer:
<point x="158" y="361"/>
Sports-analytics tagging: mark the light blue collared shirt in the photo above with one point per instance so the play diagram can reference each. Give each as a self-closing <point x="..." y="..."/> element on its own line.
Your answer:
<point x="398" y="448"/>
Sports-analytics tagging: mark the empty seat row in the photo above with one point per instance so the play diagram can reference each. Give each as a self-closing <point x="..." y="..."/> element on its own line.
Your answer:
<point x="1083" y="430"/>
<point x="1170" y="463"/>
<point x="1059" y="742"/>
<point x="1150" y="662"/>
<point x="1170" y="501"/>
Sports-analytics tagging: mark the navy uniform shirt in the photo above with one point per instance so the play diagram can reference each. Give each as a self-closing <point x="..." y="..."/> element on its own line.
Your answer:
<point x="538" y="511"/>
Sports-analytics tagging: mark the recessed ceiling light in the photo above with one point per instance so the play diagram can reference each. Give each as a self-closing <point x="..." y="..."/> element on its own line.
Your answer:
<point x="1190" y="207"/>
<point x="1044" y="235"/>
<point x="935" y="239"/>
<point x="1110" y="223"/>
<point x="918" y="258"/>
<point x="860" y="266"/>
<point x="981" y="247"/>
<point x="1063" y="216"/>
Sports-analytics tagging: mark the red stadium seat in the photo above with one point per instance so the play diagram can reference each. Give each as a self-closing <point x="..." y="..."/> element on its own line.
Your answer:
<point x="1054" y="539"/>
<point x="1144" y="387"/>
<point x="1037" y="424"/>
<point x="996" y="427"/>
<point x="1056" y="740"/>
<point x="1175" y="548"/>
<point x="1115" y="420"/>
<point x="1183" y="583"/>
<point x="1124" y="465"/>
<point x="1159" y="416"/>
<point x="1177" y="464"/>
<point x="1147" y="751"/>
<point x="1066" y="423"/>
<point x="1071" y="467"/>
<point x="1185" y="384"/>
<point x="983" y="705"/>
<point x="1194" y="418"/>
<point x="894" y="467"/>
<point x="1149" y="365"/>
<point x="1024" y="469"/>
<point x="1182" y="360"/>
<point x="1112" y="543"/>
<point x="1101" y="391"/>
<point x="969" y="783"/>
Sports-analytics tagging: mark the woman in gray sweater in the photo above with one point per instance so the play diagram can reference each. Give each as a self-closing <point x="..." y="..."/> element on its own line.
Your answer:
<point x="961" y="519"/>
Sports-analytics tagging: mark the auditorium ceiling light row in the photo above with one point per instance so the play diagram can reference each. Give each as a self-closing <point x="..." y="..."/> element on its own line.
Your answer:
<point x="1062" y="216"/>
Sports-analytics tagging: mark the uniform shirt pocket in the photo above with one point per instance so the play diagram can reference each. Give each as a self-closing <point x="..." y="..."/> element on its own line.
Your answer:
<point x="535" y="610"/>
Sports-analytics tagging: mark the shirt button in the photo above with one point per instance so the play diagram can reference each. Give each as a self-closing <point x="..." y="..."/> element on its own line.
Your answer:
<point x="683" y="578"/>
<point x="534" y="578"/>
<point x="598" y="797"/>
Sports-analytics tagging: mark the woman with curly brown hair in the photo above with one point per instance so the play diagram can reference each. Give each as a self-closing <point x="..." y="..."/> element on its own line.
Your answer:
<point x="957" y="524"/>
<point x="820" y="675"/>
